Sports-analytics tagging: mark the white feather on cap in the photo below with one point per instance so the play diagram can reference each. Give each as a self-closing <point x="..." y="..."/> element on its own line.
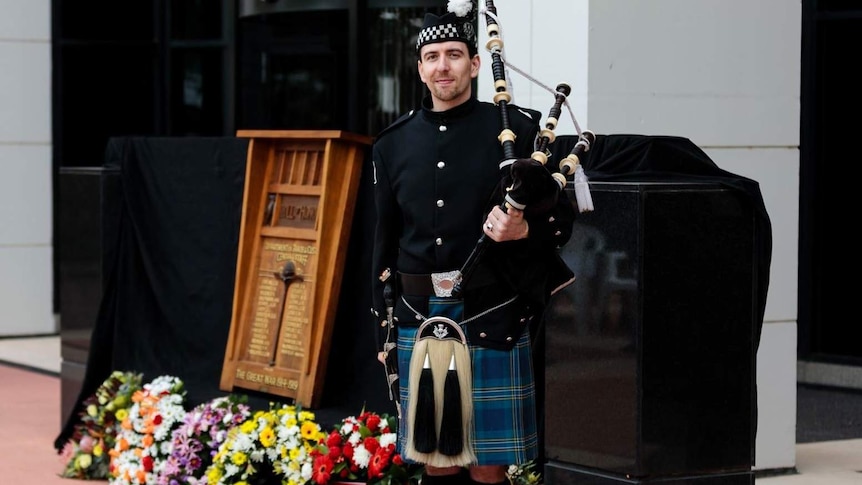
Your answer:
<point x="460" y="7"/>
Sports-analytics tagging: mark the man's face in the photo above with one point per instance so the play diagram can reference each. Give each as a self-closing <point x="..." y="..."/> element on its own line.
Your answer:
<point x="447" y="69"/>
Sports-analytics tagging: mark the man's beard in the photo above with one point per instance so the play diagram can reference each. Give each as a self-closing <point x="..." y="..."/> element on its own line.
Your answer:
<point x="449" y="93"/>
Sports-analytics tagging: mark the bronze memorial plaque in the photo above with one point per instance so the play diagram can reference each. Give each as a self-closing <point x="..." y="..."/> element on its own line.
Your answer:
<point x="300" y="192"/>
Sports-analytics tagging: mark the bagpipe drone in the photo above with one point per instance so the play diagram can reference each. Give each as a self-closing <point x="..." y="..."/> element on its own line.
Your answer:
<point x="527" y="184"/>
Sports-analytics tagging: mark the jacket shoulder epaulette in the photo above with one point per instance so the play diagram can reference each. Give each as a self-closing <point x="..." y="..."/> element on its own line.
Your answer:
<point x="395" y="124"/>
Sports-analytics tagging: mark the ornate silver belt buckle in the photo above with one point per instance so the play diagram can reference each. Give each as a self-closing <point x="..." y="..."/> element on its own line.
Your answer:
<point x="444" y="283"/>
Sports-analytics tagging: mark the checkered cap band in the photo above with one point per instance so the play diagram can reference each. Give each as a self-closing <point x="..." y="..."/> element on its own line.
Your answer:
<point x="438" y="33"/>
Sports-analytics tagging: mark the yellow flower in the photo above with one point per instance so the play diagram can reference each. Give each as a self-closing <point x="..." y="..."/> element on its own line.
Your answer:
<point x="97" y="449"/>
<point x="309" y="430"/>
<point x="248" y="426"/>
<point x="306" y="416"/>
<point x="92" y="410"/>
<point x="267" y="437"/>
<point x="214" y="474"/>
<point x="239" y="458"/>
<point x="122" y="414"/>
<point x="83" y="461"/>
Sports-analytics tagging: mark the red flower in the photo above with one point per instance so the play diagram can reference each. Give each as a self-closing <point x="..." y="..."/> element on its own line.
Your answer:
<point x="147" y="462"/>
<point x="334" y="453"/>
<point x="373" y="422"/>
<point x="348" y="451"/>
<point x="334" y="439"/>
<point x="157" y="420"/>
<point x="371" y="444"/>
<point x="379" y="462"/>
<point x="322" y="470"/>
<point x="397" y="460"/>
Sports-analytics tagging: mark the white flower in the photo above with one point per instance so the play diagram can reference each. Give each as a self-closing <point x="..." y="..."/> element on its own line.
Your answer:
<point x="361" y="456"/>
<point x="387" y="439"/>
<point x="460" y="7"/>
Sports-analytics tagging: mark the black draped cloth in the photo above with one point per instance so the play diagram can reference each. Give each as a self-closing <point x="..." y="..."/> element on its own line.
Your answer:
<point x="645" y="158"/>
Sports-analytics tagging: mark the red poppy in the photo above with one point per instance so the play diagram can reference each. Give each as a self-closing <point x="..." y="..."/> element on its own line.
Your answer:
<point x="322" y="470"/>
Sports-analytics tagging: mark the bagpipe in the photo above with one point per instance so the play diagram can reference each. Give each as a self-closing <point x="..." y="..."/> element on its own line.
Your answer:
<point x="527" y="184"/>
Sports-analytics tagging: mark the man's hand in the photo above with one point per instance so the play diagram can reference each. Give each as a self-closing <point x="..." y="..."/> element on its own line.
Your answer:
<point x="506" y="226"/>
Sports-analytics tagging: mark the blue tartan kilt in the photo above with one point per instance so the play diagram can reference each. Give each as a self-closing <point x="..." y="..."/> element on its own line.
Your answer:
<point x="504" y="394"/>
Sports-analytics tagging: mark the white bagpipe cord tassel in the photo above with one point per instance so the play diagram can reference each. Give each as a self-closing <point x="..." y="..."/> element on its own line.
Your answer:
<point x="582" y="190"/>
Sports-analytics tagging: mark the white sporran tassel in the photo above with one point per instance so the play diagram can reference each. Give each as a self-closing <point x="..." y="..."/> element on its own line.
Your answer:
<point x="582" y="190"/>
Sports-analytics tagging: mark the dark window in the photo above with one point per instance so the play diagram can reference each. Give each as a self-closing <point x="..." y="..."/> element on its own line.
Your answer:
<point x="197" y="92"/>
<point x="293" y="71"/>
<point x="195" y="19"/>
<point x="394" y="85"/>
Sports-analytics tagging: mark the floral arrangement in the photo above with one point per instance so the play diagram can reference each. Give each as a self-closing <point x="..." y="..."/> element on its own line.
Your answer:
<point x="199" y="436"/>
<point x="525" y="474"/>
<point x="362" y="449"/>
<point x="141" y="435"/>
<point x="276" y="442"/>
<point x="86" y="452"/>
<point x="144" y="439"/>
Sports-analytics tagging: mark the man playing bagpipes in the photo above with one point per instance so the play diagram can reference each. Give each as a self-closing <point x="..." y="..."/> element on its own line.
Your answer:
<point x="458" y="349"/>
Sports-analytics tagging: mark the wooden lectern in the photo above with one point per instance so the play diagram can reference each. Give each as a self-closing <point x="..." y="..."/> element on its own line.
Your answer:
<point x="299" y="197"/>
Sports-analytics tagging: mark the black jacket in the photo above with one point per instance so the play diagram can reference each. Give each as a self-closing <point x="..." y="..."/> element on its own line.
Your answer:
<point x="436" y="176"/>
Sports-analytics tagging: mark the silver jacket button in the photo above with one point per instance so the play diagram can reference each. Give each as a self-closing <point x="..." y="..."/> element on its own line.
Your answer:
<point x="441" y="164"/>
<point x="439" y="241"/>
<point x="443" y="128"/>
<point x="483" y="334"/>
<point x="440" y="203"/>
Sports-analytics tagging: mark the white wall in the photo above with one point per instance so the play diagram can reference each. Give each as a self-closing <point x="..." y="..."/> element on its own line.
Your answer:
<point x="723" y="73"/>
<point x="26" y="266"/>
